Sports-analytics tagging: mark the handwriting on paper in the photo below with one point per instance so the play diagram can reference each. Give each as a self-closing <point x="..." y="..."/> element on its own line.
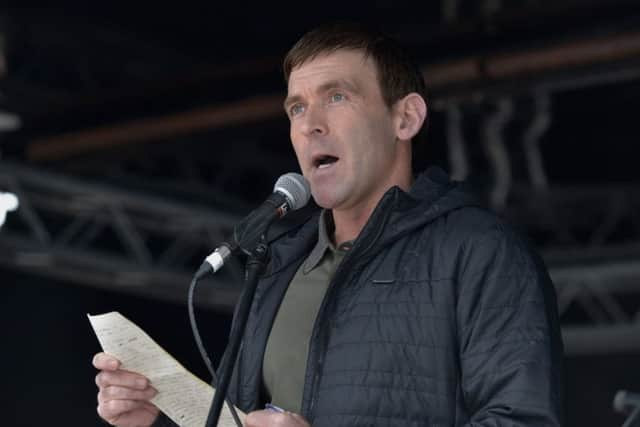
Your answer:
<point x="182" y="396"/>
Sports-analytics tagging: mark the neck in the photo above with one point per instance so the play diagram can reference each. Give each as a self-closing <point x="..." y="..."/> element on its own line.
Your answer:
<point x="350" y="222"/>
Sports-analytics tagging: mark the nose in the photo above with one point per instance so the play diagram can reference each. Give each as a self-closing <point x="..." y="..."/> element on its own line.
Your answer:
<point x="314" y="121"/>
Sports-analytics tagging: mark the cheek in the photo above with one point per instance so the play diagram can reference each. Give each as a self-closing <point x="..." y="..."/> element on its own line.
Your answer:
<point x="297" y="148"/>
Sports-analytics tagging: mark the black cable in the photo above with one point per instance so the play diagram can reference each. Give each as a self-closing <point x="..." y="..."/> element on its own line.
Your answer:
<point x="203" y="351"/>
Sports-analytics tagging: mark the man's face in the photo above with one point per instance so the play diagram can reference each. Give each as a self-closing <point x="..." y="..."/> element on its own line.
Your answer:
<point x="341" y="130"/>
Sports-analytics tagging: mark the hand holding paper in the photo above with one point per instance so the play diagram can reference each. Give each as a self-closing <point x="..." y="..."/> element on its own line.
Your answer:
<point x="124" y="397"/>
<point x="181" y="396"/>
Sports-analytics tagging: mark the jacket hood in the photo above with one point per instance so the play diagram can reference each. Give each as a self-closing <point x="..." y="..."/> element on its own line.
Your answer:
<point x="431" y="196"/>
<point x="398" y="213"/>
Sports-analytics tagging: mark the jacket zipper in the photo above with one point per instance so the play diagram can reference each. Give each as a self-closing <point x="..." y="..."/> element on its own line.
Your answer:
<point x="327" y="305"/>
<point x="328" y="302"/>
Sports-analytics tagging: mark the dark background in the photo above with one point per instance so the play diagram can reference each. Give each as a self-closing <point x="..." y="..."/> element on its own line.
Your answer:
<point x="136" y="134"/>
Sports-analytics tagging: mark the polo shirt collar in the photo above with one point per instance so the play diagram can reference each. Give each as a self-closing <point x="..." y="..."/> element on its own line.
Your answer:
<point x="325" y="230"/>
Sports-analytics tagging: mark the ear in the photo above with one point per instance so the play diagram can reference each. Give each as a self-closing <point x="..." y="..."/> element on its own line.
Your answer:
<point x="410" y="113"/>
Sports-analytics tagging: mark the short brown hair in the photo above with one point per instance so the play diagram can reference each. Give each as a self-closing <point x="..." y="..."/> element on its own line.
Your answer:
<point x="397" y="73"/>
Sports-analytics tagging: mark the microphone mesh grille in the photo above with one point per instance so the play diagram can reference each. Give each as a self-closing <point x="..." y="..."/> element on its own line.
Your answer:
<point x="295" y="188"/>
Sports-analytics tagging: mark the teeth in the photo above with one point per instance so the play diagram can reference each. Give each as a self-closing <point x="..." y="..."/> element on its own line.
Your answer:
<point x="325" y="161"/>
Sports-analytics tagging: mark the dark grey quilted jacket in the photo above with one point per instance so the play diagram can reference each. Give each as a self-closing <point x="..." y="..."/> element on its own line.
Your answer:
<point x="438" y="316"/>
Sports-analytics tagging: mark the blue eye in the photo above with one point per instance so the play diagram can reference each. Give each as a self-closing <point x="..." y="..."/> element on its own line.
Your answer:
<point x="296" y="109"/>
<point x="337" y="97"/>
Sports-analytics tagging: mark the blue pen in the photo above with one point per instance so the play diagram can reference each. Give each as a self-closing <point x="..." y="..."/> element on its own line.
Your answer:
<point x="273" y="407"/>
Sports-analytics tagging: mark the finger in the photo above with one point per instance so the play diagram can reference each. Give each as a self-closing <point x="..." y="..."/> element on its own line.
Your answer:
<point x="299" y="420"/>
<point x="298" y="417"/>
<point x="143" y="414"/>
<point x="135" y="418"/>
<point x="150" y="407"/>
<point x="121" y="378"/>
<point x="265" y="418"/>
<point x="104" y="361"/>
<point x="125" y="393"/>
<point x="253" y="419"/>
<point x="112" y="409"/>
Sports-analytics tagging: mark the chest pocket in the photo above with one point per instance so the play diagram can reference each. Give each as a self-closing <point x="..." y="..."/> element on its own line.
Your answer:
<point x="386" y="337"/>
<point x="390" y="304"/>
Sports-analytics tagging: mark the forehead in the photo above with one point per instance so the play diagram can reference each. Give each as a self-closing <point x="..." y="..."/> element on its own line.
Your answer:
<point x="350" y="65"/>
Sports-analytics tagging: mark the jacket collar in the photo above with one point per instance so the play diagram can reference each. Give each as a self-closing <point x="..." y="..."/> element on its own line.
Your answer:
<point x="432" y="195"/>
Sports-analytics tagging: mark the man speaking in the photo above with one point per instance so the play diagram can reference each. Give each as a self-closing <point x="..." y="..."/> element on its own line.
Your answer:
<point x="401" y="303"/>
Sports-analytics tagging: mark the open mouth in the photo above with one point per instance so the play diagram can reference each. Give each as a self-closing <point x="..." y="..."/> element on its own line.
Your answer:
<point x="324" y="161"/>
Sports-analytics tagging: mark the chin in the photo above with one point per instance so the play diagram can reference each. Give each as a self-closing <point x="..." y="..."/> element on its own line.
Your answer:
<point x="323" y="204"/>
<point x="325" y="201"/>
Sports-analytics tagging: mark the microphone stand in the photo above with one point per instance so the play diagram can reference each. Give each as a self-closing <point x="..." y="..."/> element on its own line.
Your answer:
<point x="255" y="266"/>
<point x="633" y="420"/>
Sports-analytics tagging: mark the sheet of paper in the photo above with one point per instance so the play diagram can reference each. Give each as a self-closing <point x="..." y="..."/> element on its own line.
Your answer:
<point x="182" y="396"/>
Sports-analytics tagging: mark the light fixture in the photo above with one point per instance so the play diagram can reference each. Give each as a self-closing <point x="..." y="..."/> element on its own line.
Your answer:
<point x="9" y="121"/>
<point x="8" y="202"/>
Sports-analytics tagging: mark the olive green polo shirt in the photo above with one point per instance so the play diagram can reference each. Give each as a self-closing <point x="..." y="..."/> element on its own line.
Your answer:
<point x="285" y="357"/>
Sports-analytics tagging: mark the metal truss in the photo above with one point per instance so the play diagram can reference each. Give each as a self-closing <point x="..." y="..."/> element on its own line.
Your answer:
<point x="592" y="245"/>
<point x="589" y="236"/>
<point x="96" y="236"/>
<point x="590" y="239"/>
<point x="91" y="235"/>
<point x="605" y="296"/>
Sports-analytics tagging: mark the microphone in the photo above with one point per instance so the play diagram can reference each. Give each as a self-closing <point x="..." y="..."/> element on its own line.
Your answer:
<point x="624" y="400"/>
<point x="291" y="192"/>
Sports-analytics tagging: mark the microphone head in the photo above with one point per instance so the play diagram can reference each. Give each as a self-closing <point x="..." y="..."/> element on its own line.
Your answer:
<point x="295" y="188"/>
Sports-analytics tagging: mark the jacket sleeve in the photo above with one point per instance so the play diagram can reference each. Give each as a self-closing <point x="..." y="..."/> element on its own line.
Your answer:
<point x="510" y="348"/>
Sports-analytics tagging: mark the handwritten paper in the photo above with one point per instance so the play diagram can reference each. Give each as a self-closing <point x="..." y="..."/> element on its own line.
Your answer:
<point x="182" y="396"/>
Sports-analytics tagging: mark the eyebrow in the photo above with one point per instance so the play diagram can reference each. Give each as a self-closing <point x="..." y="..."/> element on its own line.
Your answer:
<point x="323" y="88"/>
